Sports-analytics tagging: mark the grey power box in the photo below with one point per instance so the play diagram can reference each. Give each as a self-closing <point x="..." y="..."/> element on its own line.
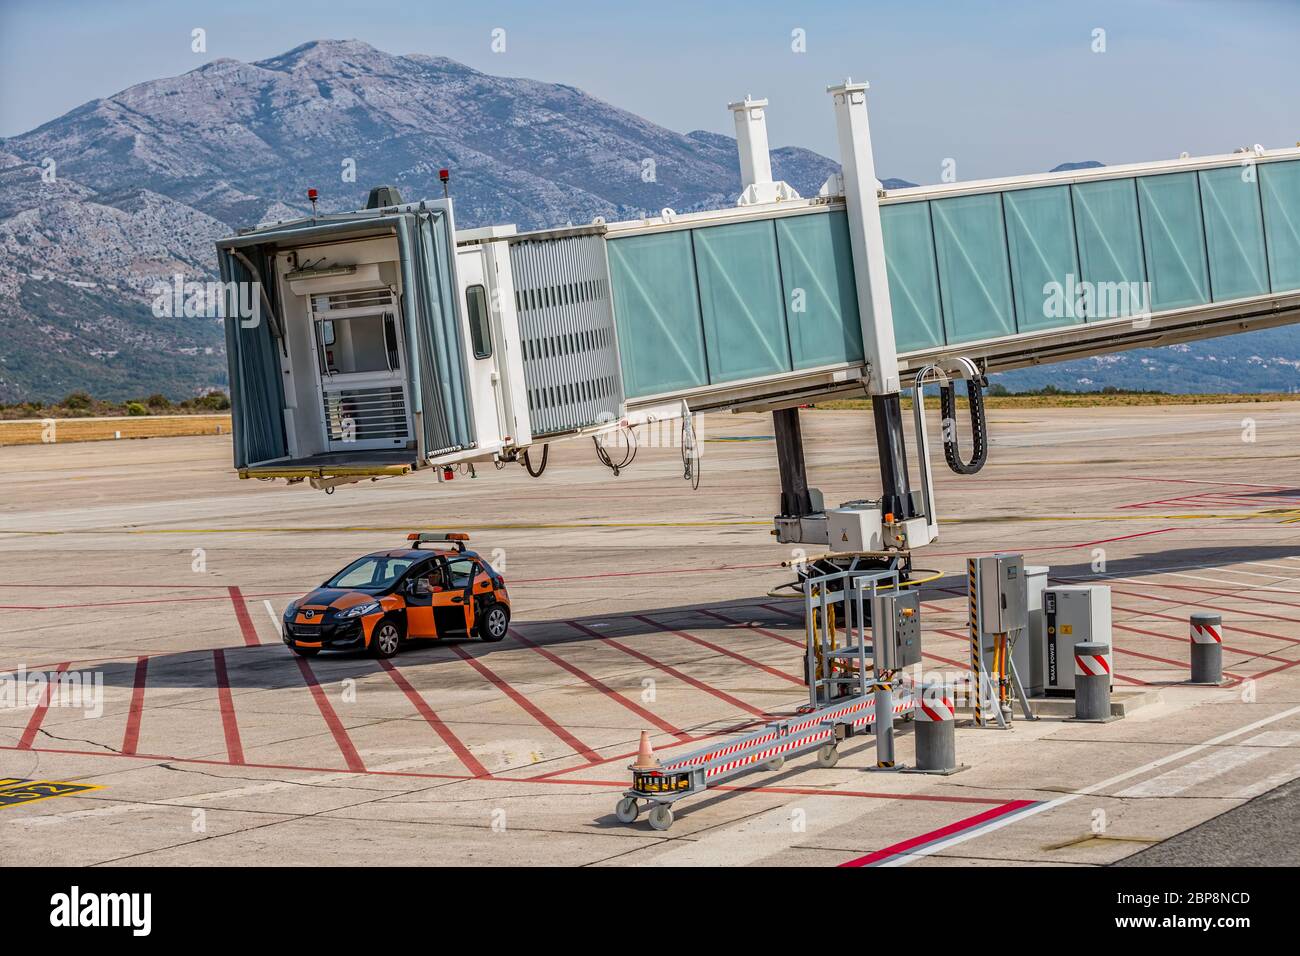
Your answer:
<point x="896" y="630"/>
<point x="1003" y="598"/>
<point x="1072" y="615"/>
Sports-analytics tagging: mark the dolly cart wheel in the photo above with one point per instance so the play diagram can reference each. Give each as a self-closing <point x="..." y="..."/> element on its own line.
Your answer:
<point x="828" y="755"/>
<point x="661" y="817"/>
<point x="627" y="810"/>
<point x="776" y="763"/>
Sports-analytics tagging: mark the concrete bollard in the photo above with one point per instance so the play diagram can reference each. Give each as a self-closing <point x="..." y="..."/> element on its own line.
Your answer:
<point x="936" y="732"/>
<point x="1207" y="648"/>
<point x="1091" y="681"/>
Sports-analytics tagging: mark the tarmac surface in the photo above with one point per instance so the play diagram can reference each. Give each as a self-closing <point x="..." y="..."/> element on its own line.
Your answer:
<point x="639" y="604"/>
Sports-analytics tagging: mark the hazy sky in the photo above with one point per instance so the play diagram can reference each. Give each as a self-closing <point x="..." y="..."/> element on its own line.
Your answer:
<point x="1001" y="87"/>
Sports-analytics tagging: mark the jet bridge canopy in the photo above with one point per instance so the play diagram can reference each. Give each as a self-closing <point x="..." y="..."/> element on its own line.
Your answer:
<point x="748" y="303"/>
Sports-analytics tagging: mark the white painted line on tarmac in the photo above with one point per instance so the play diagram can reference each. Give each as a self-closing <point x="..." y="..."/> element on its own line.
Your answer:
<point x="1245" y="585"/>
<point x="1285" y="567"/>
<point x="1198" y="771"/>
<point x="275" y="618"/>
<point x="1215" y="765"/>
<point x="906" y="858"/>
<point x="1271" y="782"/>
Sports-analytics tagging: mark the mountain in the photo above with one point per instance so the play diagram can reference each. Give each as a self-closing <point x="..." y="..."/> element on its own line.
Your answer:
<point x="1263" y="361"/>
<point x="144" y="181"/>
<point x="121" y="193"/>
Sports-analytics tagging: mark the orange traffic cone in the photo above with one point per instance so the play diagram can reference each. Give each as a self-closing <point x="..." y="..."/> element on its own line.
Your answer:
<point x="645" y="755"/>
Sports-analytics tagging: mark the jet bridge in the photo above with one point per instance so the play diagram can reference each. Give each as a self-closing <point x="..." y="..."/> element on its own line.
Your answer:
<point x="388" y="342"/>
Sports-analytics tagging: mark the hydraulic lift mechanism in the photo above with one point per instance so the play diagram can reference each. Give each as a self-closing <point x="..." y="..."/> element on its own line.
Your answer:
<point x="902" y="519"/>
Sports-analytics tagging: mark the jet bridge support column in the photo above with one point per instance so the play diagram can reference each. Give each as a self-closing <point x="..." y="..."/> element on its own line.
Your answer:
<point x="796" y="501"/>
<point x="877" y="317"/>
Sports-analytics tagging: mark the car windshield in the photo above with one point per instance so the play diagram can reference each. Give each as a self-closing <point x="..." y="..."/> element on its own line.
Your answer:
<point x="370" y="573"/>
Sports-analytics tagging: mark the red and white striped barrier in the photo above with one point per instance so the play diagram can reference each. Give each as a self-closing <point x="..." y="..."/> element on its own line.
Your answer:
<point x="800" y="734"/>
<point x="935" y="706"/>
<point x="1206" y="632"/>
<point x="1091" y="665"/>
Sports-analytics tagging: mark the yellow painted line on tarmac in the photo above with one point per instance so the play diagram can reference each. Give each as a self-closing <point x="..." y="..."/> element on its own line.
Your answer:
<point x="510" y="526"/>
<point x="1286" y="516"/>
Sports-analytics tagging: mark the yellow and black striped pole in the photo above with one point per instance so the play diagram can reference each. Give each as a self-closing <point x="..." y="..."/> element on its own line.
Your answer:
<point x="976" y="652"/>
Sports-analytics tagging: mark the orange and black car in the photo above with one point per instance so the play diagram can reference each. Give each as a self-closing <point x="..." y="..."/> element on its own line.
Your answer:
<point x="383" y="599"/>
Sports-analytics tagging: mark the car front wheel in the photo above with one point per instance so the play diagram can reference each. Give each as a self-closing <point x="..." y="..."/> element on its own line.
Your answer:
<point x="386" y="639"/>
<point x="494" y="622"/>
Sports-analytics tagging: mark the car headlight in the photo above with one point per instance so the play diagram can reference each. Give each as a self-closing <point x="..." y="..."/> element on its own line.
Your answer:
<point x="360" y="610"/>
<point x="292" y="609"/>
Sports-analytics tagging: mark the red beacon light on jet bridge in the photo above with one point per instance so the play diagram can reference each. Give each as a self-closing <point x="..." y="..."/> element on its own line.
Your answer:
<point x="443" y="176"/>
<point x="313" y="195"/>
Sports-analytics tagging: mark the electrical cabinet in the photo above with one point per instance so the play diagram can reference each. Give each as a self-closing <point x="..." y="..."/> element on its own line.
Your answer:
<point x="1031" y="648"/>
<point x="1003" y="596"/>
<point x="1072" y="615"/>
<point x="896" y="630"/>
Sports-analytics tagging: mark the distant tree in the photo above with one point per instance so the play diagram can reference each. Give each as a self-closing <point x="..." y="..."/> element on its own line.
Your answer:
<point x="77" y="400"/>
<point x="156" y="401"/>
<point x="136" y="408"/>
<point x="997" y="388"/>
<point x="214" y="401"/>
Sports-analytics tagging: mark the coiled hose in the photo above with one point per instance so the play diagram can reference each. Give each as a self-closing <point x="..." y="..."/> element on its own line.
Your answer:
<point x="978" y="426"/>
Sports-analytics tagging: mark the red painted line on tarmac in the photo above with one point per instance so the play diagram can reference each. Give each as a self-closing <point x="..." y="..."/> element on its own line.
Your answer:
<point x="1246" y="593"/>
<point x="1218" y="607"/>
<point x="1262" y="674"/>
<point x="229" y="726"/>
<point x="245" y="622"/>
<point x="604" y="689"/>
<point x="131" y="738"/>
<point x="965" y="639"/>
<point x="659" y="748"/>
<point x="340" y="733"/>
<point x="537" y="713"/>
<point x="780" y="610"/>
<point x="617" y="784"/>
<point x="38" y="715"/>
<point x="669" y="669"/>
<point x="753" y="627"/>
<point x="433" y="720"/>
<point x="961" y="826"/>
<point x="1184" y="640"/>
<point x="1054" y="547"/>
<point x="718" y="648"/>
<point x="813" y="792"/>
<point x="103" y="604"/>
